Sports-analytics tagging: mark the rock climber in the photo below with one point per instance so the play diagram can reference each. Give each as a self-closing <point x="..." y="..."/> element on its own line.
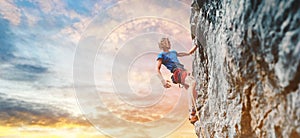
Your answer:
<point x="180" y="75"/>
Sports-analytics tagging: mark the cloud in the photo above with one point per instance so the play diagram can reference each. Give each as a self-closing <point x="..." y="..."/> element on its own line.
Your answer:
<point x="73" y="31"/>
<point x="46" y="5"/>
<point x="32" y="16"/>
<point x="128" y="109"/>
<point x="30" y="54"/>
<point x="15" y="112"/>
<point x="17" y="63"/>
<point x="31" y="68"/>
<point x="6" y="44"/>
<point x="10" y="11"/>
<point x="23" y="72"/>
<point x="120" y="119"/>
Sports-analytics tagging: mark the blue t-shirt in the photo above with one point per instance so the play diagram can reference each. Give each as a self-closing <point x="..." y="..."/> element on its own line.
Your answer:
<point x="170" y="60"/>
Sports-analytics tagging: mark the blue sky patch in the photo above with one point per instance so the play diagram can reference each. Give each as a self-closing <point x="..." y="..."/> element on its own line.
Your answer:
<point x="25" y="3"/>
<point x="80" y="6"/>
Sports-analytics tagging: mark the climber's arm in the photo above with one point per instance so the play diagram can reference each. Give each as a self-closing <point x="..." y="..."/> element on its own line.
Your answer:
<point x="164" y="82"/>
<point x="192" y="50"/>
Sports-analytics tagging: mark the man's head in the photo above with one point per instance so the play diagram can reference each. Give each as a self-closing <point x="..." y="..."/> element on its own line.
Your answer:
<point x="164" y="44"/>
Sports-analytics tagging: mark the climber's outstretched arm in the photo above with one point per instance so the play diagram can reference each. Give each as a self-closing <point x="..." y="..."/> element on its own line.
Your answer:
<point x="192" y="50"/>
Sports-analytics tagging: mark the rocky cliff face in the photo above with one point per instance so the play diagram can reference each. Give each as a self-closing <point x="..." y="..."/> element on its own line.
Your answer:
<point x="247" y="67"/>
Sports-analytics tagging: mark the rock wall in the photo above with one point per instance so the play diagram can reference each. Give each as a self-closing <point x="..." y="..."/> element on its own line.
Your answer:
<point x="247" y="67"/>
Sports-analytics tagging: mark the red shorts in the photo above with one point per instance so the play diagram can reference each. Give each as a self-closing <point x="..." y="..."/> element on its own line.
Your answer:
<point x="179" y="76"/>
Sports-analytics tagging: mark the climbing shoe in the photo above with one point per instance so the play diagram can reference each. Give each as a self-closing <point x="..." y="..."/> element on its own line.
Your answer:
<point x="193" y="119"/>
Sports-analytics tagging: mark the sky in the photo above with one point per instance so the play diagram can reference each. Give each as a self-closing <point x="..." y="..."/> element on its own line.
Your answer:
<point x="71" y="68"/>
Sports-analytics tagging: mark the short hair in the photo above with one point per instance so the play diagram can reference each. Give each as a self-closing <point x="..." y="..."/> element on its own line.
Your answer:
<point x="161" y="44"/>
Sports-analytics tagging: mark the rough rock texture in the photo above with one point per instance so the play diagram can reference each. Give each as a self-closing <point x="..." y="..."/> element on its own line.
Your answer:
<point x="247" y="67"/>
